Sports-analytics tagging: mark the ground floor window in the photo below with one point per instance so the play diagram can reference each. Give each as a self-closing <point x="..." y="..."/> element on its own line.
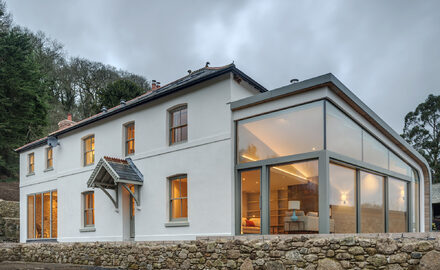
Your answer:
<point x="178" y="198"/>
<point x="89" y="208"/>
<point x="42" y="209"/>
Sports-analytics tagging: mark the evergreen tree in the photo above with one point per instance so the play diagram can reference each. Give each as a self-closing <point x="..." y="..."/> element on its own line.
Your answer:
<point x="116" y="91"/>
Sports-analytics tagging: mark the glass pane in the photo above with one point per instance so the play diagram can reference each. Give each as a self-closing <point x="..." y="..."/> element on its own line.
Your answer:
<point x="294" y="198"/>
<point x="38" y="216"/>
<point x="88" y="144"/>
<point x="90" y="157"/>
<point x="184" y="208"/>
<point x="176" y="209"/>
<point x="184" y="189"/>
<point x="130" y="132"/>
<point x="175" y="189"/>
<point x="30" y="217"/>
<point x="184" y="133"/>
<point x="183" y="117"/>
<point x="130" y="147"/>
<point x="46" y="215"/>
<point x="372" y="203"/>
<point x="175" y="119"/>
<point x="374" y="152"/>
<point x="398" y="203"/>
<point x="342" y="199"/>
<point x="287" y="132"/>
<point x="399" y="166"/>
<point x="250" y="202"/>
<point x="344" y="136"/>
<point x="54" y="214"/>
<point x="90" y="219"/>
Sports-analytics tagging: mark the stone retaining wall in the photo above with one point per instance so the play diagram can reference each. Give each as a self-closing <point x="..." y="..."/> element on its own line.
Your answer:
<point x="9" y="221"/>
<point x="384" y="251"/>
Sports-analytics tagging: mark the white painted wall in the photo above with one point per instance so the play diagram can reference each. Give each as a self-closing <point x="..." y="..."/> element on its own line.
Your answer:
<point x="205" y="158"/>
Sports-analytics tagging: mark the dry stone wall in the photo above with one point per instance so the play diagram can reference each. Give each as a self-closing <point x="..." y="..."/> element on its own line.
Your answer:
<point x="9" y="221"/>
<point x="384" y="251"/>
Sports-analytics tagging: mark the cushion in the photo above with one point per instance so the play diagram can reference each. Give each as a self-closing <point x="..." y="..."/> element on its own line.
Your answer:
<point x="256" y="221"/>
<point x="312" y="214"/>
<point x="250" y="223"/>
<point x="243" y="221"/>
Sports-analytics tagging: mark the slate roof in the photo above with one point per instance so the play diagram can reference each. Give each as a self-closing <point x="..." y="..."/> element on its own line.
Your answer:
<point x="195" y="77"/>
<point x="110" y="171"/>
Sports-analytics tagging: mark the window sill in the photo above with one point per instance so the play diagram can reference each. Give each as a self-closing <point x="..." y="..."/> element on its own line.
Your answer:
<point x="30" y="174"/>
<point x="48" y="169"/>
<point x="33" y="240"/>
<point x="177" y="224"/>
<point x="88" y="229"/>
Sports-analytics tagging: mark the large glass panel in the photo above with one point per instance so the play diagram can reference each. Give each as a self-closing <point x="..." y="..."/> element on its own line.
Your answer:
<point x="344" y="136"/>
<point x="372" y="203"/>
<point x="46" y="215"/>
<point x="250" y="202"/>
<point x="398" y="205"/>
<point x="287" y="132"/>
<point x="38" y="216"/>
<point x="399" y="166"/>
<point x="30" y="217"/>
<point x="294" y="198"/>
<point x="342" y="199"/>
<point x="374" y="152"/>
<point x="54" y="214"/>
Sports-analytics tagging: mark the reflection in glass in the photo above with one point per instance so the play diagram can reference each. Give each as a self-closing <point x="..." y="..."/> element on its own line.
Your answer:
<point x="250" y="202"/>
<point x="399" y="166"/>
<point x="287" y="132"/>
<point x="343" y="199"/>
<point x="294" y="187"/>
<point x="38" y="216"/>
<point x="46" y="215"/>
<point x="54" y="214"/>
<point x="30" y="217"/>
<point x="374" y="152"/>
<point x="344" y="136"/>
<point x="398" y="204"/>
<point x="372" y="203"/>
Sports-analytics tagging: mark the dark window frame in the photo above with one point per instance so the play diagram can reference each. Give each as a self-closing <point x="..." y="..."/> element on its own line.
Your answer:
<point x="171" y="199"/>
<point x="180" y="127"/>
<point x="86" y="208"/>
<point x="127" y="140"/>
<point x="85" y="152"/>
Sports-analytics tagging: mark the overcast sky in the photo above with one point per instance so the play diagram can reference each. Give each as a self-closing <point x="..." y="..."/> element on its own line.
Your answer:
<point x="386" y="52"/>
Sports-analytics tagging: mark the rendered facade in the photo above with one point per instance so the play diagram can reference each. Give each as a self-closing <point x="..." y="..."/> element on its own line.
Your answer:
<point x="215" y="153"/>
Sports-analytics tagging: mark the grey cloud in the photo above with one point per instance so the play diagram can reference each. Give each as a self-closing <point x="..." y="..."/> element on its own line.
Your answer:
<point x="386" y="52"/>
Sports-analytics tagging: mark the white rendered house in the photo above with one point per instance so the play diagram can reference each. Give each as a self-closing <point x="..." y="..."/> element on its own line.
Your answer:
<point x="216" y="154"/>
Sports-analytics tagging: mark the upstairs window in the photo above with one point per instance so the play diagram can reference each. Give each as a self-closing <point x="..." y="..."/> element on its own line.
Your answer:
<point x="129" y="139"/>
<point x="178" y="124"/>
<point x="49" y="158"/>
<point x="89" y="209"/>
<point x="31" y="163"/>
<point x="178" y="198"/>
<point x="89" y="150"/>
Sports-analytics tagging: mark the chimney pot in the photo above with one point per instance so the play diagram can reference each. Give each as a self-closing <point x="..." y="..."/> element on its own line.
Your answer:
<point x="153" y="85"/>
<point x="69" y="116"/>
<point x="294" y="80"/>
<point x="104" y="109"/>
<point x="122" y="102"/>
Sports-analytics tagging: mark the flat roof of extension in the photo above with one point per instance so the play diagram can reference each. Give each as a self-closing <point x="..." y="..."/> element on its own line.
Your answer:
<point x="195" y="77"/>
<point x="342" y="91"/>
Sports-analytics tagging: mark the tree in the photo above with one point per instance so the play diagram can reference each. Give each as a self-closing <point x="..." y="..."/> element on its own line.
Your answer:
<point x="118" y="90"/>
<point x="23" y="98"/>
<point x="422" y="131"/>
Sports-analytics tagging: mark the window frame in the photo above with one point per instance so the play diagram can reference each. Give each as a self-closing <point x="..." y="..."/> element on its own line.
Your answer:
<point x="126" y="140"/>
<point x="31" y="164"/>
<point x="171" y="199"/>
<point x="49" y="149"/>
<point x="172" y="128"/>
<point x="85" y="209"/>
<point x="85" y="152"/>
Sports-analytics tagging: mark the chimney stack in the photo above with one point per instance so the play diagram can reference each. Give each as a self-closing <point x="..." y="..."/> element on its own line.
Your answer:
<point x="66" y="122"/>
<point x="153" y="85"/>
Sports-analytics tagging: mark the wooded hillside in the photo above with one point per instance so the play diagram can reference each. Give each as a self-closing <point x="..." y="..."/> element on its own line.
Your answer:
<point x="40" y="84"/>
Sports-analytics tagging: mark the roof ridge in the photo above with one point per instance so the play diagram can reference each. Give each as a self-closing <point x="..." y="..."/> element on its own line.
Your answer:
<point x="113" y="159"/>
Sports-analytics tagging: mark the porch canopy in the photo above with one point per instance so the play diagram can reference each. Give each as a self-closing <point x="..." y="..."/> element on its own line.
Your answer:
<point x="110" y="173"/>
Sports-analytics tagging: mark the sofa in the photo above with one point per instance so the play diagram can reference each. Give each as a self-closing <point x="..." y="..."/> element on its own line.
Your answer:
<point x="307" y="222"/>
